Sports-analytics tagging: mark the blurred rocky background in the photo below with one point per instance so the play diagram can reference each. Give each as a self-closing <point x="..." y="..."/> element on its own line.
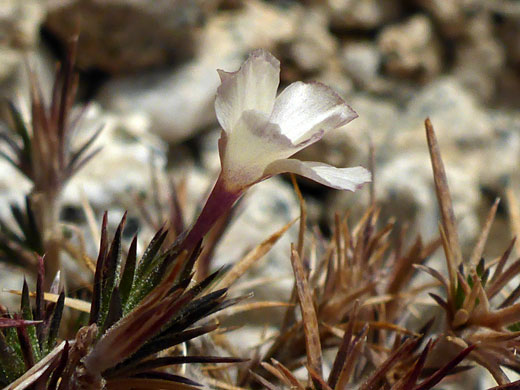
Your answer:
<point x="148" y="71"/>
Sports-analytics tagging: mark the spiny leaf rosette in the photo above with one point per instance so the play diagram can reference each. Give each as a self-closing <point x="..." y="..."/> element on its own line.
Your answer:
<point x="139" y="309"/>
<point x="260" y="131"/>
<point x="472" y="286"/>
<point x="44" y="151"/>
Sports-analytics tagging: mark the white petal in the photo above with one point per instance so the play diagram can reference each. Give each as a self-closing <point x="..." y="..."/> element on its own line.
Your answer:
<point x="340" y="178"/>
<point x="253" y="144"/>
<point x="252" y="87"/>
<point x="304" y="109"/>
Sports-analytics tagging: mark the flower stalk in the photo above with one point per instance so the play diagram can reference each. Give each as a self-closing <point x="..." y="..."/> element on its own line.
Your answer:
<point x="260" y="131"/>
<point x="46" y="205"/>
<point x="219" y="201"/>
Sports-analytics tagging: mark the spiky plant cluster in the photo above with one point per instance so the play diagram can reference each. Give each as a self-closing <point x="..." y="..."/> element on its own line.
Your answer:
<point x="19" y="244"/>
<point x="45" y="152"/>
<point x="360" y="268"/>
<point x="475" y="313"/>
<point x="136" y="316"/>
<point x="358" y="294"/>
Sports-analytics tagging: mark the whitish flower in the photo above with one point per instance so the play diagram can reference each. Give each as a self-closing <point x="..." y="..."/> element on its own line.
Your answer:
<point x="261" y="131"/>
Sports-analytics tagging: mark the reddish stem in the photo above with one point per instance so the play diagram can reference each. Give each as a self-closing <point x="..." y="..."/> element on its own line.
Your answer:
<point x="220" y="200"/>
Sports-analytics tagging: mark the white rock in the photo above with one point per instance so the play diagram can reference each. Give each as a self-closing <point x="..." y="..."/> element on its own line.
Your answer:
<point x="314" y="45"/>
<point x="122" y="36"/>
<point x="411" y="49"/>
<point x="179" y="103"/>
<point x="19" y="28"/>
<point x="455" y="113"/>
<point x="123" y="165"/>
<point x="361" y="61"/>
<point x="362" y="14"/>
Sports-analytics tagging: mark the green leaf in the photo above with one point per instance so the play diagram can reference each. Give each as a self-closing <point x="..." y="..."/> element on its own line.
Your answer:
<point x="11" y="362"/>
<point x="115" y="310"/>
<point x="111" y="271"/>
<point x="127" y="278"/>
<point x="98" y="275"/>
<point x="55" y="322"/>
<point x="25" y="346"/>
<point x="28" y="315"/>
<point x="151" y="253"/>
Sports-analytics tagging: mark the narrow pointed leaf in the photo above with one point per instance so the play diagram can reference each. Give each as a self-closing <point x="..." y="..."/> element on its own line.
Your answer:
<point x="26" y="347"/>
<point x="127" y="278"/>
<point x="444" y="371"/>
<point x="150" y="253"/>
<point x="10" y="360"/>
<point x="27" y="314"/>
<point x="53" y="382"/>
<point x="310" y="321"/>
<point x="158" y="344"/>
<point x="55" y="322"/>
<point x="97" y="288"/>
<point x="115" y="310"/>
<point x="111" y="271"/>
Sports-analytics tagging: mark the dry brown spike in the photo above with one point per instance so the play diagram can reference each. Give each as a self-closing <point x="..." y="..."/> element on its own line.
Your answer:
<point x="444" y="198"/>
<point x="309" y="318"/>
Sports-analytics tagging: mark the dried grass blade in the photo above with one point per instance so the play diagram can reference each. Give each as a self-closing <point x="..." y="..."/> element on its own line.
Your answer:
<point x="512" y="271"/>
<point x="275" y="372"/>
<point x="264" y="382"/>
<point x="511" y="298"/>
<point x="409" y="381"/>
<point x="352" y="358"/>
<point x="222" y="385"/>
<point x="317" y="379"/>
<point x="73" y="303"/>
<point x="451" y="265"/>
<point x="502" y="317"/>
<point x="37" y="370"/>
<point x="373" y="382"/>
<point x="478" y="250"/>
<point x="176" y="213"/>
<point x="251" y="258"/>
<point x="303" y="216"/>
<point x="514" y="215"/>
<point x="435" y="378"/>
<point x="310" y="320"/>
<point x="253" y="306"/>
<point x="294" y="383"/>
<point x="402" y="270"/>
<point x="502" y="261"/>
<point x="433" y="272"/>
<point x="443" y="195"/>
<point x="147" y="384"/>
<point x="12" y="322"/>
<point x="341" y="356"/>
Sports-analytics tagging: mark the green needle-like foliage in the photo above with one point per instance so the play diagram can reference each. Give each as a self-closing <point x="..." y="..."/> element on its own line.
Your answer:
<point x="125" y="332"/>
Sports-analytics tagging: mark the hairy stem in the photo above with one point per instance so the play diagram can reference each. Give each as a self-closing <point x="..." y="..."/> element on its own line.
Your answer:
<point x="46" y="207"/>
